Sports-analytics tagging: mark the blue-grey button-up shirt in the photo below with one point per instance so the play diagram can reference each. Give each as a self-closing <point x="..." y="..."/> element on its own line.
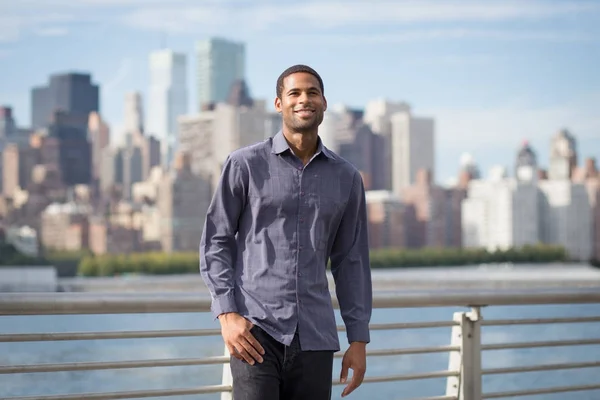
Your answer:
<point x="270" y="230"/>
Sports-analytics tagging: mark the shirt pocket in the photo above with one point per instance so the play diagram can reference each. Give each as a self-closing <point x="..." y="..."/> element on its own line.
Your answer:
<point x="333" y="197"/>
<point x="272" y="195"/>
<point x="329" y="216"/>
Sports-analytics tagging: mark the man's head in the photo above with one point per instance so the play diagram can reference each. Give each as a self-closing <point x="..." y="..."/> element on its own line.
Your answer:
<point x="300" y="99"/>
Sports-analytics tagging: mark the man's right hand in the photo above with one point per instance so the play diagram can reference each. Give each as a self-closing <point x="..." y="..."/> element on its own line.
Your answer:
<point x="238" y="339"/>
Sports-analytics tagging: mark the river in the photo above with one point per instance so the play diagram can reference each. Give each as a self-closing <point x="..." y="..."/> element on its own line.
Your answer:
<point x="180" y="377"/>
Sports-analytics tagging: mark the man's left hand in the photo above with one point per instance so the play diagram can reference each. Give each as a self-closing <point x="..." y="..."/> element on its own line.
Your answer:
<point x="355" y="358"/>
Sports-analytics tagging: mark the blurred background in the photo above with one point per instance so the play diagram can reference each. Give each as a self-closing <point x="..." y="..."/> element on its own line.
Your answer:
<point x="474" y="126"/>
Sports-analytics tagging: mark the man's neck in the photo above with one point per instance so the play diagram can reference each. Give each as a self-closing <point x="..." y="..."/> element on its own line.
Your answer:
<point x="304" y="145"/>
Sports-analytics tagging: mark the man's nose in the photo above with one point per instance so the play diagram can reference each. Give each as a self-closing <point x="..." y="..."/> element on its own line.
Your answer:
<point x="303" y="98"/>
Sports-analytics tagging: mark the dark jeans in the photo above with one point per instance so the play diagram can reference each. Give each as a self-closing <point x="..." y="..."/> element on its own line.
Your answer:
<point x="286" y="373"/>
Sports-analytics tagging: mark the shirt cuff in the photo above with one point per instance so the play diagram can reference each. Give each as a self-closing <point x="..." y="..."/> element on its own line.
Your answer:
<point x="358" y="332"/>
<point x="223" y="304"/>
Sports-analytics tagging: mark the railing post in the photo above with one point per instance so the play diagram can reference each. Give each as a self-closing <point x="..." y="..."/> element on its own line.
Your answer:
<point x="467" y="336"/>
<point x="227" y="379"/>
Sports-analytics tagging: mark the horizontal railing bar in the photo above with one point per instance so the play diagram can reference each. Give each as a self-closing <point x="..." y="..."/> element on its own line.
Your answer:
<point x="533" y="392"/>
<point x="134" y="394"/>
<point x="63" y="336"/>
<point x="89" y="366"/>
<point x="406" y="351"/>
<point x="406" y="377"/>
<point x="529" y="345"/>
<point x="536" y="321"/>
<point x="437" y="398"/>
<point x="535" y="368"/>
<point x="412" y="325"/>
<point x="127" y="303"/>
<point x="219" y="389"/>
<point x="42" y="337"/>
<point x="178" y="362"/>
<point x="154" y="334"/>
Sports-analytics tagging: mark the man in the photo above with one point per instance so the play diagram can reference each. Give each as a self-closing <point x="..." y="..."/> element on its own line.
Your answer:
<point x="282" y="209"/>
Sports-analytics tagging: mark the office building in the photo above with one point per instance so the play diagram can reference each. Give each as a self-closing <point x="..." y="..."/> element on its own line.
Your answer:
<point x="385" y="212"/>
<point x="500" y="213"/>
<point x="211" y="135"/>
<point x="412" y="149"/>
<point x="220" y="62"/>
<point x="567" y="217"/>
<point x="563" y="156"/>
<point x="167" y="98"/>
<point x="73" y="93"/>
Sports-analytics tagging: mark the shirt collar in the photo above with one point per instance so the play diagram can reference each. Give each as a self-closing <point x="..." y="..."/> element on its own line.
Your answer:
<point x="280" y="145"/>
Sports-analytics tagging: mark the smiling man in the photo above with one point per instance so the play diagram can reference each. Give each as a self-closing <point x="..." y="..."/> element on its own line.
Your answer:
<point x="283" y="208"/>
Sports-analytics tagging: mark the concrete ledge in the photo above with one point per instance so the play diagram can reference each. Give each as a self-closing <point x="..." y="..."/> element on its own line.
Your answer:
<point x="28" y="279"/>
<point x="436" y="278"/>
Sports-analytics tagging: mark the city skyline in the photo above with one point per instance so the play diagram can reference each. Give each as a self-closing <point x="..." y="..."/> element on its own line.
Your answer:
<point x="490" y="76"/>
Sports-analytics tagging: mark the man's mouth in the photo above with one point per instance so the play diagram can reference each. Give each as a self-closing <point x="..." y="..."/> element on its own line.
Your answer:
<point x="305" y="112"/>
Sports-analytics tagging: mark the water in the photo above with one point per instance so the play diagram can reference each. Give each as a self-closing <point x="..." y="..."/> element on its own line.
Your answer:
<point x="192" y="376"/>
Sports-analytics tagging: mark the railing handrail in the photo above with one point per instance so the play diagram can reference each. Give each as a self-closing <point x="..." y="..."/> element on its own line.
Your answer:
<point x="128" y="303"/>
<point x="463" y="374"/>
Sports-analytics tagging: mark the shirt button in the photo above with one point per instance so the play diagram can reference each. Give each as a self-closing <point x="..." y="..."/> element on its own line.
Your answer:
<point x="299" y="273"/>
<point x="301" y="220"/>
<point x="301" y="193"/>
<point x="300" y="247"/>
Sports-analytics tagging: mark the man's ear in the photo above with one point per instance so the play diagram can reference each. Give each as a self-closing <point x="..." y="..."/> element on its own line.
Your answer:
<point x="324" y="104"/>
<point x="278" y="104"/>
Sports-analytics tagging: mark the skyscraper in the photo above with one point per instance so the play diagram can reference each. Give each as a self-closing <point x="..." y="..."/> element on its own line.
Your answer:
<point x="74" y="150"/>
<point x="563" y="155"/>
<point x="8" y="126"/>
<point x="167" y="98"/>
<point x="220" y="63"/>
<point x="412" y="148"/>
<point x="73" y="93"/>
<point x="526" y="164"/>
<point x="134" y="114"/>
<point x="99" y="137"/>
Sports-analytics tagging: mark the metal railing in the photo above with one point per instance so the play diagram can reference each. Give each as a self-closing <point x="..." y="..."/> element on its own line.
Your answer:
<point x="463" y="376"/>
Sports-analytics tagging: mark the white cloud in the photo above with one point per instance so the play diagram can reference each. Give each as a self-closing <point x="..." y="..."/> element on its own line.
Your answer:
<point x="334" y="14"/>
<point x="494" y="134"/>
<point x="422" y="35"/>
<point x="340" y="13"/>
<point x="52" y="31"/>
<point x="507" y="126"/>
<point x="15" y="24"/>
<point x="191" y="16"/>
<point x="454" y="60"/>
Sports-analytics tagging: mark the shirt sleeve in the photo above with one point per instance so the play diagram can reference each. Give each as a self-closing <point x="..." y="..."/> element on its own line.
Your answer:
<point x="218" y="248"/>
<point x="351" y="268"/>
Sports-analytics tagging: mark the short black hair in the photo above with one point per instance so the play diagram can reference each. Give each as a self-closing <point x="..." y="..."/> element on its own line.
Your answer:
<point x="293" y="70"/>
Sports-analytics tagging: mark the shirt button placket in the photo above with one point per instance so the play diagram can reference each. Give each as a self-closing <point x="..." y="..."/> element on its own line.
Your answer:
<point x="299" y="233"/>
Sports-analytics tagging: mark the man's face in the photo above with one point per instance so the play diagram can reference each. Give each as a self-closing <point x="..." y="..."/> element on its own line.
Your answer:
<point x="302" y="103"/>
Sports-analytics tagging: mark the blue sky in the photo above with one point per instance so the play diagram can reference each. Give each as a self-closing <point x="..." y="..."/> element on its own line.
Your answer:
<point x="491" y="73"/>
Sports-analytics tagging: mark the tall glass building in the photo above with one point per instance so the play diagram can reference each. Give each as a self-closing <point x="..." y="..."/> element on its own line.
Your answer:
<point x="167" y="98"/>
<point x="220" y="63"/>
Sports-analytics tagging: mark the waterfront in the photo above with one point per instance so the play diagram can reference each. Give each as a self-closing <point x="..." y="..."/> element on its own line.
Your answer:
<point x="157" y="378"/>
<point x="477" y="277"/>
<point x="192" y="347"/>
